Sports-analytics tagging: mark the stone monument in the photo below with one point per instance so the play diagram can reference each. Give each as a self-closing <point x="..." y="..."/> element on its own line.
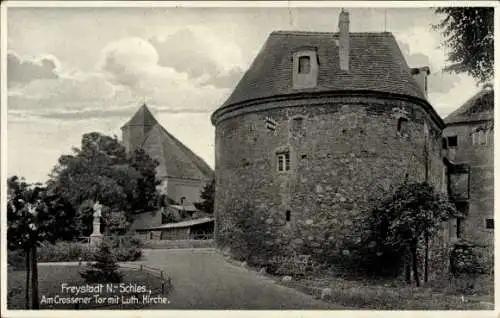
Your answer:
<point x="96" y="236"/>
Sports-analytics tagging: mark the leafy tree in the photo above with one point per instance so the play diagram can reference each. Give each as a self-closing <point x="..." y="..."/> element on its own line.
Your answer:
<point x="147" y="198"/>
<point x="413" y="213"/>
<point x="102" y="171"/>
<point x="207" y="195"/>
<point x="468" y="33"/>
<point x="35" y="215"/>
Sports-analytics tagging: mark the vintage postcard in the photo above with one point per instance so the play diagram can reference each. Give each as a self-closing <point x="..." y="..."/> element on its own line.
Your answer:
<point x="247" y="156"/>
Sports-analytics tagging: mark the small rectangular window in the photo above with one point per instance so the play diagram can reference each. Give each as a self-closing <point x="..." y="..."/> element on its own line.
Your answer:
<point x="403" y="127"/>
<point x="283" y="161"/>
<point x="490" y="224"/>
<point x="452" y="141"/>
<point x="297" y="124"/>
<point x="304" y="65"/>
<point x="480" y="137"/>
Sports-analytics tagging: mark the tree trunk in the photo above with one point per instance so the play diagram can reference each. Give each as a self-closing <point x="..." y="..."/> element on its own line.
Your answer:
<point x="408" y="268"/>
<point x="426" y="259"/>
<point x="27" y="286"/>
<point x="415" y="263"/>
<point x="34" y="280"/>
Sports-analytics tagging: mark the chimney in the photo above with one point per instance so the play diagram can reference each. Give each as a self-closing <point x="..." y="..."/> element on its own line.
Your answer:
<point x="420" y="75"/>
<point x="344" y="40"/>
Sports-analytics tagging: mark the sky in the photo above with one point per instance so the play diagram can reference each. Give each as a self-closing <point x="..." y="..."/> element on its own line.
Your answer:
<point x="75" y="70"/>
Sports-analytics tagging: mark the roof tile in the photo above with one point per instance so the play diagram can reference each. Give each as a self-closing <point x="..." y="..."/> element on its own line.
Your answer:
<point x="376" y="63"/>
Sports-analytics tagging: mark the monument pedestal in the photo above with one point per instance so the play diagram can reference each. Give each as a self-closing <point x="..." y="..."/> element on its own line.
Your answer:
<point x="95" y="239"/>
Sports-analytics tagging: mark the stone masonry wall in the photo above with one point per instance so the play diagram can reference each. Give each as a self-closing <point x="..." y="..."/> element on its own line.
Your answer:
<point x="347" y="152"/>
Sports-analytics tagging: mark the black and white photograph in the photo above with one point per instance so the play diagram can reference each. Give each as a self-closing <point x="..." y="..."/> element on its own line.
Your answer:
<point x="247" y="156"/>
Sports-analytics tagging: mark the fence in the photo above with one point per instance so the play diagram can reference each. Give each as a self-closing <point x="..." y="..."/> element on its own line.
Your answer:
<point x="166" y="280"/>
<point x="201" y="236"/>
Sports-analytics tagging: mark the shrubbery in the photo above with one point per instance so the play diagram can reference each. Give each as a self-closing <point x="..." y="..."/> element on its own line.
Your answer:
<point x="124" y="250"/>
<point x="65" y="252"/>
<point x="16" y="259"/>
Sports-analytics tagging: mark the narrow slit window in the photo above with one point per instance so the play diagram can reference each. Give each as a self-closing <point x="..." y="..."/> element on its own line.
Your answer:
<point x="304" y="65"/>
<point x="288" y="215"/>
<point x="283" y="161"/>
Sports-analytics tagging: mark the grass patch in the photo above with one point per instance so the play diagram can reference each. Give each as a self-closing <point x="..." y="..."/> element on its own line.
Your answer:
<point x="387" y="296"/>
<point x="50" y="279"/>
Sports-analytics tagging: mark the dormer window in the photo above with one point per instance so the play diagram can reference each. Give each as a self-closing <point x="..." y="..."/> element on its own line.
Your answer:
<point x="305" y="68"/>
<point x="304" y="65"/>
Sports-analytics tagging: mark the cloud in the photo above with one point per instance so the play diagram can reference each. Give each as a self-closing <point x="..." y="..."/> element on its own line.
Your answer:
<point x="439" y="81"/>
<point x="197" y="52"/>
<point x="22" y="70"/>
<point x="134" y="63"/>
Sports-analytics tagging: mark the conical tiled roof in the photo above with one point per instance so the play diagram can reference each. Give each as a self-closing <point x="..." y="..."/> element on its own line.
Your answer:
<point x="478" y="107"/>
<point x="376" y="65"/>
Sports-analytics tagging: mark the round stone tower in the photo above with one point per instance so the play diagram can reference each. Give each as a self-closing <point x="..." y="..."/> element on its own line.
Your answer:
<point x="320" y="125"/>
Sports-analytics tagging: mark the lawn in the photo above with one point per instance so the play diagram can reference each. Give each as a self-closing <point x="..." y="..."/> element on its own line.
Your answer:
<point x="50" y="279"/>
<point x="382" y="296"/>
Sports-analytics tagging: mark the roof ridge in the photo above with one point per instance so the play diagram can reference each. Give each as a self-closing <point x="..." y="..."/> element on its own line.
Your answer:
<point x="295" y="32"/>
<point x="467" y="104"/>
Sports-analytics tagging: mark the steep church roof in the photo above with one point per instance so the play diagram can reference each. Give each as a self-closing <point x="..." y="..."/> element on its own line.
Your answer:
<point x="142" y="117"/>
<point x="478" y="107"/>
<point x="174" y="158"/>
<point x="376" y="64"/>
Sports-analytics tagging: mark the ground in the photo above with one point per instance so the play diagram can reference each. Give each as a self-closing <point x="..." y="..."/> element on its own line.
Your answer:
<point x="202" y="279"/>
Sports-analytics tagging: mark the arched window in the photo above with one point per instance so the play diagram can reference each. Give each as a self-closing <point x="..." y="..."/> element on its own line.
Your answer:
<point x="288" y="215"/>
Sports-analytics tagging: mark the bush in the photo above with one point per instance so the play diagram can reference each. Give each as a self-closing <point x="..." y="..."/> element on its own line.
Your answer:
<point x="105" y="269"/>
<point x="16" y="259"/>
<point x="65" y="252"/>
<point x="125" y="249"/>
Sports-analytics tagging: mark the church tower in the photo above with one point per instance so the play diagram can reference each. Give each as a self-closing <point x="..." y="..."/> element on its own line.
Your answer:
<point x="136" y="129"/>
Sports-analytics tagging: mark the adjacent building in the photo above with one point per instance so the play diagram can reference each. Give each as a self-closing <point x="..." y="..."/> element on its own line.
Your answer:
<point x="468" y="141"/>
